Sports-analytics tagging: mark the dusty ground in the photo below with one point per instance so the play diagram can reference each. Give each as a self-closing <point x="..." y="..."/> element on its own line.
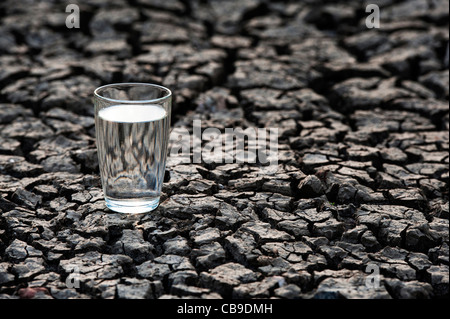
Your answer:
<point x="363" y="161"/>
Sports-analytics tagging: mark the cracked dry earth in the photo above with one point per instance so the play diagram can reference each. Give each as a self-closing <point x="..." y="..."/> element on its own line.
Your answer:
<point x="363" y="160"/>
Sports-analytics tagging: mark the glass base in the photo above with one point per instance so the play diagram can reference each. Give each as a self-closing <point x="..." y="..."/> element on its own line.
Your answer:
<point x="133" y="206"/>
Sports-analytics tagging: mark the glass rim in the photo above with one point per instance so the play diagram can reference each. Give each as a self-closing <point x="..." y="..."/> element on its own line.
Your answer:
<point x="97" y="95"/>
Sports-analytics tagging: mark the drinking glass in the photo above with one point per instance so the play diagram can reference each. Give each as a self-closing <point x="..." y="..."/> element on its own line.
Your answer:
<point x="132" y="122"/>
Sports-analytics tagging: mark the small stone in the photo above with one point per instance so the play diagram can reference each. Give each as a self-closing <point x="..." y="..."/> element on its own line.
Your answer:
<point x="9" y="146"/>
<point x="311" y="215"/>
<point x="353" y="235"/>
<point x="134" y="289"/>
<point x="185" y="290"/>
<point x="259" y="289"/>
<point x="275" y="266"/>
<point x="419" y="261"/>
<point x="391" y="230"/>
<point x="175" y="262"/>
<point x="19" y="250"/>
<point x="297" y="227"/>
<point x="278" y="186"/>
<point x="409" y="289"/>
<point x="301" y="278"/>
<point x="439" y="253"/>
<point x="293" y="252"/>
<point x="60" y="163"/>
<point x="183" y="277"/>
<point x="312" y="160"/>
<point x="264" y="233"/>
<point x="230" y="42"/>
<point x="311" y="186"/>
<point x="28" y="268"/>
<point x="348" y="284"/>
<point x="30" y="128"/>
<point x="242" y="246"/>
<point x="225" y="277"/>
<point x="29" y="199"/>
<point x="289" y="291"/>
<point x="177" y="246"/>
<point x="247" y="184"/>
<point x="330" y="229"/>
<point x="5" y="277"/>
<point x="132" y="244"/>
<point x="46" y="191"/>
<point x="209" y="255"/>
<point x="205" y="236"/>
<point x="316" y="242"/>
<point x="274" y="216"/>
<point x="333" y="253"/>
<point x="419" y="238"/>
<point x="316" y="262"/>
<point x="12" y="111"/>
<point x="393" y="155"/>
<point x="401" y="271"/>
<point x="438" y="278"/>
<point x="109" y="46"/>
<point x="370" y="241"/>
<point x="81" y="197"/>
<point x="152" y="270"/>
<point x="92" y="243"/>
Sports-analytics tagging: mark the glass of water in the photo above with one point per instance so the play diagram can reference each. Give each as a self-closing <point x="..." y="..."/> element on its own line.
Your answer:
<point x="132" y="122"/>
